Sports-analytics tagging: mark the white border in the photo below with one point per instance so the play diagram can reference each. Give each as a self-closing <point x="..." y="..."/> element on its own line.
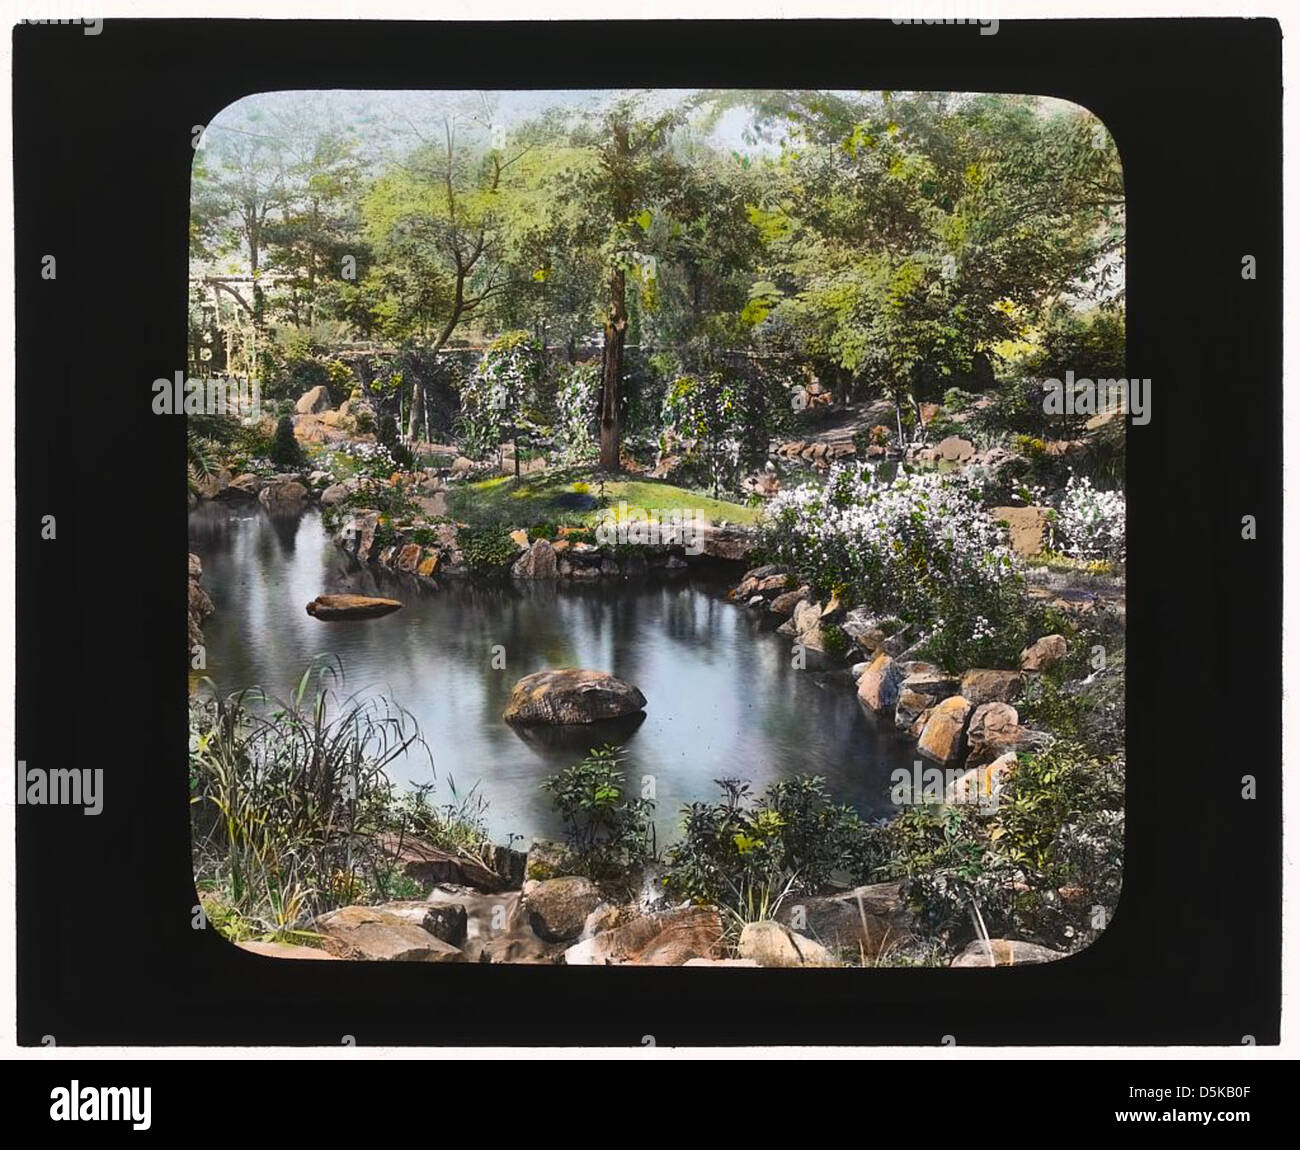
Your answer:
<point x="600" y="10"/>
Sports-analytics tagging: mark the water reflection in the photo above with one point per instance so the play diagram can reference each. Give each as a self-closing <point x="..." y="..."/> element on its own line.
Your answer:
<point x="723" y="699"/>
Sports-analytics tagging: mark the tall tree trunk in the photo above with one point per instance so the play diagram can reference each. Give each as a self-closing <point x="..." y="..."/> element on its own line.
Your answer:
<point x="611" y="369"/>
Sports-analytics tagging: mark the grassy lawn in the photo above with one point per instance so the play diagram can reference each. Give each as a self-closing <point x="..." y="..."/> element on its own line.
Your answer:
<point x="555" y="497"/>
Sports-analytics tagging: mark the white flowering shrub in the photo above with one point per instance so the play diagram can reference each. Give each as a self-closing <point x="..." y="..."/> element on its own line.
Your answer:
<point x="578" y="405"/>
<point x="920" y="547"/>
<point x="1090" y="524"/>
<point x="495" y="394"/>
<point x="363" y="458"/>
<point x="708" y="412"/>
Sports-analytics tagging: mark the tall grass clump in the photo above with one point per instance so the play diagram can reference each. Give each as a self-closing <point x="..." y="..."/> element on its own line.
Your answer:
<point x="289" y="798"/>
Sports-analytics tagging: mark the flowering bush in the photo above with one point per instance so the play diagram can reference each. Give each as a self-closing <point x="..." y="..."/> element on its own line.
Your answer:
<point x="577" y="401"/>
<point x="920" y="547"/>
<point x="707" y="412"/>
<point x="1090" y="524"/>
<point x="495" y="394"/>
<point x="369" y="459"/>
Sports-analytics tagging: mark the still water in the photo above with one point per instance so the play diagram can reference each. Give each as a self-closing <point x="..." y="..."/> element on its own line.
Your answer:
<point x="723" y="698"/>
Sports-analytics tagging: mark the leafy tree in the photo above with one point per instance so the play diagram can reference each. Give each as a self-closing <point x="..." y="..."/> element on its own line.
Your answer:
<point x="238" y="188"/>
<point x="707" y="411"/>
<point x="632" y="174"/>
<point x="908" y="246"/>
<point x="434" y="220"/>
<point x="314" y="242"/>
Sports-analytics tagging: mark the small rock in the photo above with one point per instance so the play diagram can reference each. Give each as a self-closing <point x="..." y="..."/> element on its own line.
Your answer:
<point x="422" y="861"/>
<point x="243" y="488"/>
<point x="1004" y="952"/>
<point x="572" y="696"/>
<point x="558" y="907"/>
<point x="955" y="449"/>
<point x="367" y="932"/>
<point x="771" y="944"/>
<point x="1043" y="653"/>
<point x="537" y="562"/>
<point x="314" y="401"/>
<point x="989" y="686"/>
<point x="545" y="859"/>
<point x="283" y="950"/>
<point x="911" y="705"/>
<point x="980" y="787"/>
<point x="1027" y="527"/>
<point x="785" y="603"/>
<point x="878" y="685"/>
<point x="866" y="922"/>
<point x="447" y="922"/>
<point x="671" y="938"/>
<point x="942" y="738"/>
<point x="994" y="729"/>
<point x="283" y="496"/>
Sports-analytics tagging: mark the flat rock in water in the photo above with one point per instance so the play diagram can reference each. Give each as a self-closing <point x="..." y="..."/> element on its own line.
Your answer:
<point x="330" y="608"/>
<point x="572" y="696"/>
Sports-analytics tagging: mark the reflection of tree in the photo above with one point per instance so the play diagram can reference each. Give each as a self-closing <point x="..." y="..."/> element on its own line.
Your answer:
<point x="285" y="528"/>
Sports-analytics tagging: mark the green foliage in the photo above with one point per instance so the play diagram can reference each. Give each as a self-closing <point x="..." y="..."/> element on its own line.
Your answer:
<point x="390" y="500"/>
<point x="288" y="798"/>
<point x="388" y="437"/>
<point x="488" y="550"/>
<point x="922" y="230"/>
<point x="707" y="413"/>
<point x="835" y="641"/>
<point x="1059" y="823"/>
<point x="743" y="850"/>
<point x="285" y="452"/>
<point x="493" y="399"/>
<point x="606" y="829"/>
<point x="577" y="402"/>
<point x="1079" y="700"/>
<point x="919" y="547"/>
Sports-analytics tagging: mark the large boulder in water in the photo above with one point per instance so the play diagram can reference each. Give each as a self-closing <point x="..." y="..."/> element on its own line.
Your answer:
<point x="330" y="608"/>
<point x="572" y="696"/>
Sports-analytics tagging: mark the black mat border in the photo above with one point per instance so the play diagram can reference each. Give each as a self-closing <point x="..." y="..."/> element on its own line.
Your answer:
<point x="102" y="152"/>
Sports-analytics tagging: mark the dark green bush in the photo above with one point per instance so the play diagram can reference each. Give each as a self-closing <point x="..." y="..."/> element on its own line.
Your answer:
<point x="745" y="853"/>
<point x="286" y="454"/>
<point x="388" y="436"/>
<point x="488" y="550"/>
<point x="607" y="831"/>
